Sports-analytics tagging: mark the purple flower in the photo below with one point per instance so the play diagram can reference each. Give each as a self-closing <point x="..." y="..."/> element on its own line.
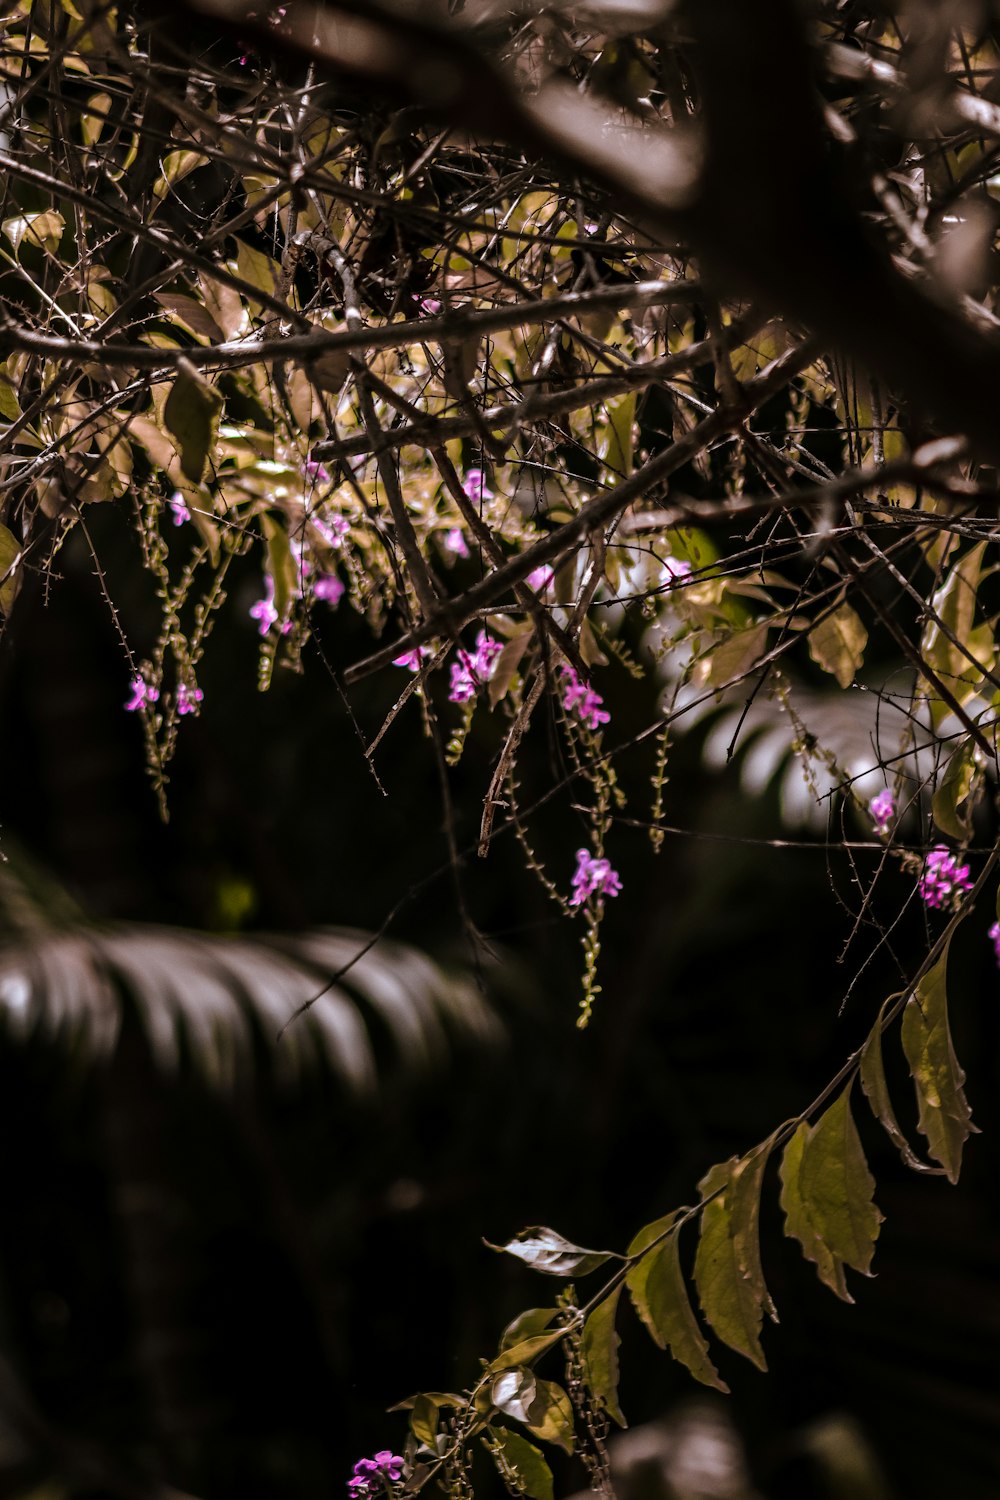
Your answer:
<point x="332" y="529"/>
<point x="179" y="508"/>
<point x="188" y="699"/>
<point x="594" y="877"/>
<point x="315" y="471"/>
<point x="142" y="694"/>
<point x="430" y="305"/>
<point x="882" y="809"/>
<point x="264" y="611"/>
<point x="475" y="486"/>
<point x="581" y="700"/>
<point x="473" y="668"/>
<point x="372" y="1474"/>
<point x="674" y="568"/>
<point x="329" y="588"/>
<point x="944" y="879"/>
<point x="994" y="936"/>
<point x="454" y="542"/>
<point x="540" y="578"/>
<point x="413" y="660"/>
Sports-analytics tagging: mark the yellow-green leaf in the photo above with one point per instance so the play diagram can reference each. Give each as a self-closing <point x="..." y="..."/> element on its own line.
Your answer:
<point x="43" y="231"/>
<point x="952" y="804"/>
<point x="734" y="656"/>
<point x="656" y="1286"/>
<point x="520" y="1463"/>
<point x="954" y="605"/>
<point x="944" y="1114"/>
<point x="600" y="1356"/>
<point x="873" y="1081"/>
<point x="191" y="414"/>
<point x="10" y="578"/>
<point x="835" y="1182"/>
<point x="527" y="1349"/>
<point x="731" y="1303"/>
<point x="798" y="1219"/>
<point x="744" y="1195"/>
<point x="837" y="644"/>
<point x="526" y="1325"/>
<point x="550" y="1415"/>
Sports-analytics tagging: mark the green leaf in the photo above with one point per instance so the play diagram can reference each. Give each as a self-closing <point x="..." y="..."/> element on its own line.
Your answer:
<point x="872" y="1074"/>
<point x="527" y="1349"/>
<point x="837" y="644"/>
<point x="656" y="1286"/>
<point x="42" y="231"/>
<point x="954" y="604"/>
<point x="798" y="1217"/>
<point x="424" y="1419"/>
<point x="731" y="1303"/>
<point x="520" y="1463"/>
<point x="952" y="806"/>
<point x="744" y="1196"/>
<point x="526" y="1325"/>
<point x="600" y="1356"/>
<point x="191" y="414"/>
<point x="544" y="1250"/>
<point x="10" y="552"/>
<point x="550" y="1416"/>
<point x="835" y="1181"/>
<point x="10" y="407"/>
<point x="944" y="1114"/>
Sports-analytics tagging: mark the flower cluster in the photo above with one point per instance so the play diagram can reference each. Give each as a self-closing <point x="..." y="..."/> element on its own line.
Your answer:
<point x="188" y="698"/>
<point x="882" y="809"/>
<point x="142" y="693"/>
<point x="473" y="668"/>
<point x="371" y="1475"/>
<point x="581" y="700"/>
<point x="594" y="877"/>
<point x="315" y="471"/>
<point x="265" y="612"/>
<point x="943" y="879"/>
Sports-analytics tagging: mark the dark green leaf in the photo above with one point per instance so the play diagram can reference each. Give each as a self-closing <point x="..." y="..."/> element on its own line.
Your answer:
<point x="191" y="414"/>
<point x="520" y="1463"/>
<point x="526" y="1325"/>
<point x="544" y="1250"/>
<point x="731" y="1304"/>
<point x="527" y="1350"/>
<point x="945" y="1117"/>
<point x="600" y="1356"/>
<point x="656" y="1286"/>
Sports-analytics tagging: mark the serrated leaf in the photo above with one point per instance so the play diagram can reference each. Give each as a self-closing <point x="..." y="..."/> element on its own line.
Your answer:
<point x="521" y="1463"/>
<point x="527" y="1325"/>
<point x="835" y="1182"/>
<point x="10" y="552"/>
<point x="545" y="1250"/>
<point x="873" y="1082"/>
<point x="191" y="415"/>
<point x="731" y="1304"/>
<point x="513" y="1391"/>
<point x="744" y="1222"/>
<point x="798" y="1220"/>
<point x="951" y="805"/>
<point x="600" y="1356"/>
<point x="659" y="1295"/>
<point x="944" y="1114"/>
<point x="550" y="1416"/>
<point x="527" y="1349"/>
<point x="837" y="644"/>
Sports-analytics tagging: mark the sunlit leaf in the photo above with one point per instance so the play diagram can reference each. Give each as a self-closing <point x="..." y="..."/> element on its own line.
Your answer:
<point x="550" y="1415"/>
<point x="545" y="1250"/>
<point x="513" y="1392"/>
<point x="944" y="1114"/>
<point x="837" y="644"/>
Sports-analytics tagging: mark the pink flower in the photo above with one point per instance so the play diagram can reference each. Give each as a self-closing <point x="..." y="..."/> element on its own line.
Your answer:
<point x="264" y="611"/>
<point x="475" y="486"/>
<point x="188" y="699"/>
<point x="430" y="305"/>
<point x="454" y="542"/>
<point x="332" y="529"/>
<point x="882" y="809"/>
<point x="179" y="508"/>
<point x="594" y="877"/>
<point x="371" y="1474"/>
<point x="317" y="472"/>
<point x="994" y="936"/>
<point x="329" y="588"/>
<point x="674" y="568"/>
<point x="473" y="668"/>
<point x="944" y="880"/>
<point x="413" y="660"/>
<point x="540" y="578"/>
<point x="581" y="700"/>
<point x="142" y="693"/>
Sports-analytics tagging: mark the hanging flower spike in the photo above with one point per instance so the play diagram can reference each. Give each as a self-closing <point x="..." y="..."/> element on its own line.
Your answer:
<point x="188" y="699"/>
<point x="142" y="694"/>
<point x="179" y="508"/>
<point x="581" y="700"/>
<point x="944" y="879"/>
<point x="475" y="486"/>
<point x="594" y="877"/>
<point x="540" y="578"/>
<point x="882" y="809"/>
<point x="317" y="472"/>
<point x="473" y="668"/>
<point x="413" y="660"/>
<point x="994" y="936"/>
<point x="329" y="588"/>
<point x="455" y="543"/>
